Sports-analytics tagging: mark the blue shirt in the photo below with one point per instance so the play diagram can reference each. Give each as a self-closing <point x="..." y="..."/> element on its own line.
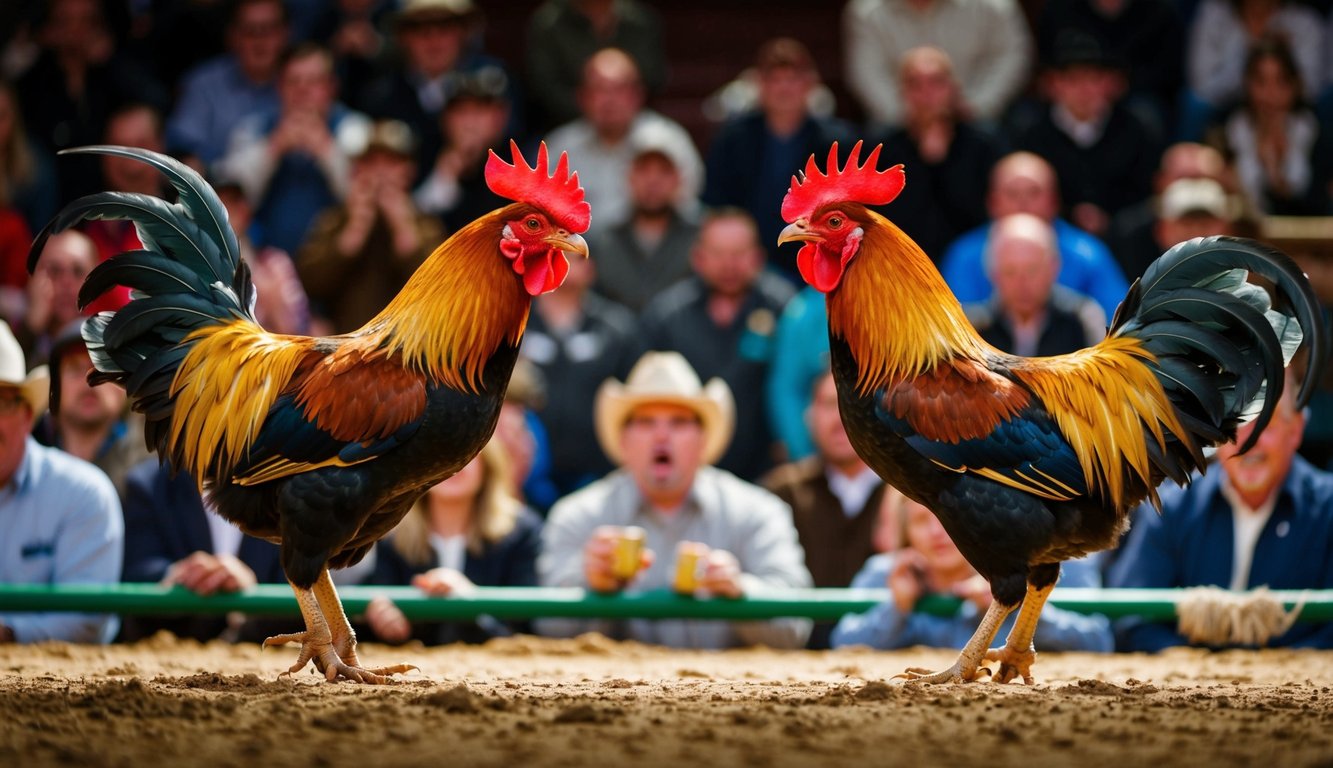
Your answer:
<point x="1192" y="542"/>
<point x="1086" y="266"/>
<point x="214" y="97"/>
<point x="800" y="355"/>
<point x="885" y="628"/>
<point x="60" y="523"/>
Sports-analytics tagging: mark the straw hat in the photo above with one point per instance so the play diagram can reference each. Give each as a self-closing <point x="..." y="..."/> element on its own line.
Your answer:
<point x="33" y="385"/>
<point x="665" y="378"/>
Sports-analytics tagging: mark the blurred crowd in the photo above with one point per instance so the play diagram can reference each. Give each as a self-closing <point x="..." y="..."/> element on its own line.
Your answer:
<point x="676" y="386"/>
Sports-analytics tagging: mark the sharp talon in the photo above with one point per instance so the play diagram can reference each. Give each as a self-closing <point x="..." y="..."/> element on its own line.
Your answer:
<point x="1013" y="664"/>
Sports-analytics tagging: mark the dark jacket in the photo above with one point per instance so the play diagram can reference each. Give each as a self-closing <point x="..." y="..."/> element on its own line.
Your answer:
<point x="744" y="170"/>
<point x="1191" y="543"/>
<point x="165" y="522"/>
<point x="509" y="562"/>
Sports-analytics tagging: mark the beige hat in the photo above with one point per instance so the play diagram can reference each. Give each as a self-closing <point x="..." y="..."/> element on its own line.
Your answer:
<point x="35" y="385"/>
<point x="1189" y="196"/>
<point x="665" y="378"/>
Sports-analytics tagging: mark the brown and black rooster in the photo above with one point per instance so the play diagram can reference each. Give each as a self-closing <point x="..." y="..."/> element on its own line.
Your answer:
<point x="321" y="444"/>
<point x="1032" y="461"/>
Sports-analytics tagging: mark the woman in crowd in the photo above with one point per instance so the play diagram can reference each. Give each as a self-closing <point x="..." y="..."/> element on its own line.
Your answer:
<point x="469" y="530"/>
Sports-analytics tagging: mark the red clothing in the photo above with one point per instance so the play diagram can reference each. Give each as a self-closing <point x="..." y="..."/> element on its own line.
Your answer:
<point x="111" y="238"/>
<point x="15" y="240"/>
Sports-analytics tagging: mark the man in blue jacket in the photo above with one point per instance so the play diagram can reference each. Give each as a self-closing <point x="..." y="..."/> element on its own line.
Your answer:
<point x="1264" y="519"/>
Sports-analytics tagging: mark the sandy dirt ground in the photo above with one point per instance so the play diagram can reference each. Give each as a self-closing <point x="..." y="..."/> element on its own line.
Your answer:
<point x="589" y="701"/>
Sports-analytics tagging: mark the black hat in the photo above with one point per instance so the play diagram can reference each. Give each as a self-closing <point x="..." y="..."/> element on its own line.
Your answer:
<point x="1079" y="48"/>
<point x="69" y="336"/>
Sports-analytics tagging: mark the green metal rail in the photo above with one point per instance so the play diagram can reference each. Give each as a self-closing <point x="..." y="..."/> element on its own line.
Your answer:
<point x="535" y="602"/>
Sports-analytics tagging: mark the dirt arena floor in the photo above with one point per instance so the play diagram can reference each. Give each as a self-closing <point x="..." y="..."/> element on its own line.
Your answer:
<point x="590" y="701"/>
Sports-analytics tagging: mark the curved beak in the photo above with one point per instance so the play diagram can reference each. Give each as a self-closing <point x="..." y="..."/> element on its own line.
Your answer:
<point x="797" y="231"/>
<point x="569" y="242"/>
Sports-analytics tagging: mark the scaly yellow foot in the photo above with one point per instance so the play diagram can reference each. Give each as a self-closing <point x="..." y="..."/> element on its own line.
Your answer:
<point x="333" y="656"/>
<point x="1013" y="663"/>
<point x="968" y="666"/>
<point x="331" y="662"/>
<point x="958" y="673"/>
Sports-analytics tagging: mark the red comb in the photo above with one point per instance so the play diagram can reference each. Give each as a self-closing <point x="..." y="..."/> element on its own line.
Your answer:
<point x="853" y="183"/>
<point x="558" y="194"/>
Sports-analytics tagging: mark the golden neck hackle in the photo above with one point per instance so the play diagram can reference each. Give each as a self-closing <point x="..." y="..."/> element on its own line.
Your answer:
<point x="895" y="311"/>
<point x="460" y="305"/>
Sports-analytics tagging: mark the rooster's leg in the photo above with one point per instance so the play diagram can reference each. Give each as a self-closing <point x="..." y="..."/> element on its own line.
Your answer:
<point x="965" y="669"/>
<point x="343" y="638"/>
<point x="1017" y="655"/>
<point x="317" y="641"/>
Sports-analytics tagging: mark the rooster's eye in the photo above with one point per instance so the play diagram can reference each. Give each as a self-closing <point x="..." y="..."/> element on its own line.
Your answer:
<point x="532" y="224"/>
<point x="835" y="221"/>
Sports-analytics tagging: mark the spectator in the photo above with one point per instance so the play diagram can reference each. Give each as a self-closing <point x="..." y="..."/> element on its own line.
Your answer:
<point x="577" y="340"/>
<point x="473" y="123"/>
<point x="1137" y="237"/>
<point x="359" y="254"/>
<point x="722" y="320"/>
<point x="173" y="536"/>
<point x="354" y="31"/>
<point x="650" y="250"/>
<point x="281" y="305"/>
<point x="987" y="40"/>
<point x="836" y="501"/>
<point x="1143" y="35"/>
<point x="601" y="142"/>
<point x="293" y="162"/>
<point x="563" y="34"/>
<point x="665" y="430"/>
<point x="1219" y="40"/>
<point x="465" y="532"/>
<point x="217" y="94"/>
<point x="1028" y="314"/>
<point x="53" y="292"/>
<point x="1024" y="183"/>
<point x="1283" y="159"/>
<point x="800" y="355"/>
<point x="60" y="521"/>
<point x="1103" y="153"/>
<point x="132" y="125"/>
<point x="27" y="180"/>
<point x="78" y="79"/>
<point x="1193" y="208"/>
<point x="930" y="564"/>
<point x="521" y="432"/>
<point x="90" y="423"/>
<point x="1264" y="519"/>
<point x="755" y="155"/>
<point x="437" y="40"/>
<point x="944" y="155"/>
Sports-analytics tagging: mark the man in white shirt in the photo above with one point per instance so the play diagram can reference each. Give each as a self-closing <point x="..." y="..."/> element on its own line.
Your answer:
<point x="665" y="429"/>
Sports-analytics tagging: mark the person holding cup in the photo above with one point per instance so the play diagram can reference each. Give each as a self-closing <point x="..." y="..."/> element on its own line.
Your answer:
<point x="663" y="428"/>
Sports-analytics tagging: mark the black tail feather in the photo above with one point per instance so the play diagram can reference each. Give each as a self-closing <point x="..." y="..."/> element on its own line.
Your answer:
<point x="188" y="275"/>
<point x="1220" y="347"/>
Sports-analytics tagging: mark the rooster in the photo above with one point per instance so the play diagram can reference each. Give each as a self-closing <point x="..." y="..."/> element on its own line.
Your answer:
<point x="1028" y="462"/>
<point x="321" y="444"/>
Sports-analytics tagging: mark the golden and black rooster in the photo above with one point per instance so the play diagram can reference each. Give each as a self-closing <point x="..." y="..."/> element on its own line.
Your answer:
<point x="1032" y="461"/>
<point x="321" y="444"/>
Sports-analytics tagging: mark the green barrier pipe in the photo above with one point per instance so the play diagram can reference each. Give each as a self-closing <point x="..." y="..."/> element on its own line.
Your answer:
<point x="534" y="602"/>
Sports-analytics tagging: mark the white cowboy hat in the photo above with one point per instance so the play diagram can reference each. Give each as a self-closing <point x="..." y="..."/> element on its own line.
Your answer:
<point x="34" y="385"/>
<point x="665" y="378"/>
